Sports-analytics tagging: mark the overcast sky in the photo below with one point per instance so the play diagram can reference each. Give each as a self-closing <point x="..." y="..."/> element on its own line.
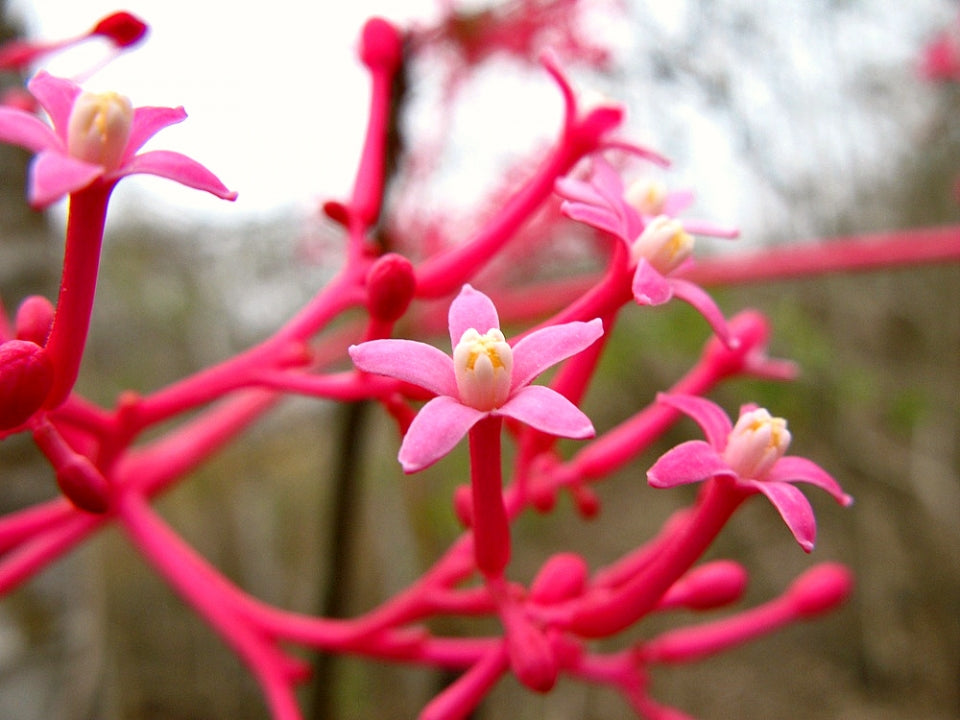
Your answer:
<point x="275" y="97"/>
<point x="755" y="101"/>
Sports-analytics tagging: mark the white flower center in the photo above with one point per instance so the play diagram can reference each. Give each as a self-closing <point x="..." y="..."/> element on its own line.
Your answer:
<point x="483" y="365"/>
<point x="647" y="197"/>
<point x="756" y="442"/>
<point x="99" y="128"/>
<point x="663" y="243"/>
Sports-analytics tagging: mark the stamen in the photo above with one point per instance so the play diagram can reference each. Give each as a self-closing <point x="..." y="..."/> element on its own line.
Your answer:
<point x="756" y="442"/>
<point x="663" y="243"/>
<point x="99" y="128"/>
<point x="483" y="365"/>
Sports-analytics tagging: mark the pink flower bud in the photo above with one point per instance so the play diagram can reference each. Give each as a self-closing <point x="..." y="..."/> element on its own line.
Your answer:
<point x="121" y="28"/>
<point x="78" y="478"/>
<point x="83" y="485"/>
<point x="26" y="376"/>
<point x="710" y="586"/>
<point x="820" y="589"/>
<point x="391" y="283"/>
<point x="531" y="657"/>
<point x="586" y="500"/>
<point x="34" y="319"/>
<point x="562" y="577"/>
<point x="381" y="44"/>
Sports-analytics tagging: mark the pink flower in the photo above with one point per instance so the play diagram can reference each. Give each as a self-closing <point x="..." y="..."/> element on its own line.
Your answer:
<point x="95" y="136"/>
<point x="485" y="376"/>
<point x="658" y="243"/>
<point x="751" y="453"/>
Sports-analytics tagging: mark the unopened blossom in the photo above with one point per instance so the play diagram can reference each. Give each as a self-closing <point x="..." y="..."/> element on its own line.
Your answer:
<point x="95" y="137"/>
<point x="660" y="246"/>
<point x="485" y="376"/>
<point x="752" y="453"/>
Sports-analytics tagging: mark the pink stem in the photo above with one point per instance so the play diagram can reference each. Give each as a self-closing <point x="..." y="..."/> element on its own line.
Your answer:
<point x="491" y="528"/>
<point x="818" y="590"/>
<point x="214" y="382"/>
<point x="641" y="594"/>
<point x="68" y="335"/>
<point x="39" y="551"/>
<point x="17" y="527"/>
<point x="382" y="54"/>
<point x="843" y="254"/>
<point x="460" y="698"/>
<point x="214" y="599"/>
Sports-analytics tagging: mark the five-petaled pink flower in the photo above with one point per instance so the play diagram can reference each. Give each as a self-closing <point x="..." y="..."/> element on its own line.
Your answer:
<point x="751" y="453"/>
<point x="658" y="243"/>
<point x="485" y="376"/>
<point x="95" y="136"/>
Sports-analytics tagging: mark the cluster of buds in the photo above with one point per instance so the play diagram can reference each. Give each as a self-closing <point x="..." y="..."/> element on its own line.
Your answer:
<point x="109" y="470"/>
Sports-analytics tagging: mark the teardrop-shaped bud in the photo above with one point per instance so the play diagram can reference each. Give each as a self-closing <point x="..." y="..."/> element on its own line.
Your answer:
<point x="391" y="283"/>
<point x="121" y="28"/>
<point x="26" y="376"/>
<point x="34" y="319"/>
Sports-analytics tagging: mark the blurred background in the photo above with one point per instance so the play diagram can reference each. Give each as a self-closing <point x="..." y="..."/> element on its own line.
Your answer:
<point x="793" y="120"/>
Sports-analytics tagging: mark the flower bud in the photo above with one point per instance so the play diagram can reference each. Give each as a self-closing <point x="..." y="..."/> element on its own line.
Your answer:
<point x="756" y="442"/>
<point x="562" y="577"/>
<point x="709" y="586"/>
<point x="121" y="28"/>
<point x="391" y="283"/>
<point x="663" y="243"/>
<point x="531" y="657"/>
<point x="26" y="376"/>
<point x="820" y="589"/>
<point x="34" y="319"/>
<point x="83" y="485"/>
<point x="381" y="44"/>
<point x="99" y="128"/>
<point x="483" y="366"/>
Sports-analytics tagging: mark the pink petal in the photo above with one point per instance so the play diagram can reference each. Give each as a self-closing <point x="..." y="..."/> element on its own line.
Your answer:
<point x="791" y="468"/>
<point x="596" y="217"/>
<point x="793" y="507"/>
<point x="28" y="131"/>
<point x="649" y="286"/>
<point x="180" y="168"/>
<point x="407" y="360"/>
<point x="607" y="181"/>
<point x="695" y="295"/>
<point x="56" y="96"/>
<point x="471" y="309"/>
<point x="434" y="432"/>
<point x="703" y="227"/>
<point x="548" y="346"/>
<point x="708" y="415"/>
<point x="147" y="122"/>
<point x="577" y="191"/>
<point x="688" y="462"/>
<point x="548" y="411"/>
<point x="676" y="202"/>
<point x="53" y="175"/>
